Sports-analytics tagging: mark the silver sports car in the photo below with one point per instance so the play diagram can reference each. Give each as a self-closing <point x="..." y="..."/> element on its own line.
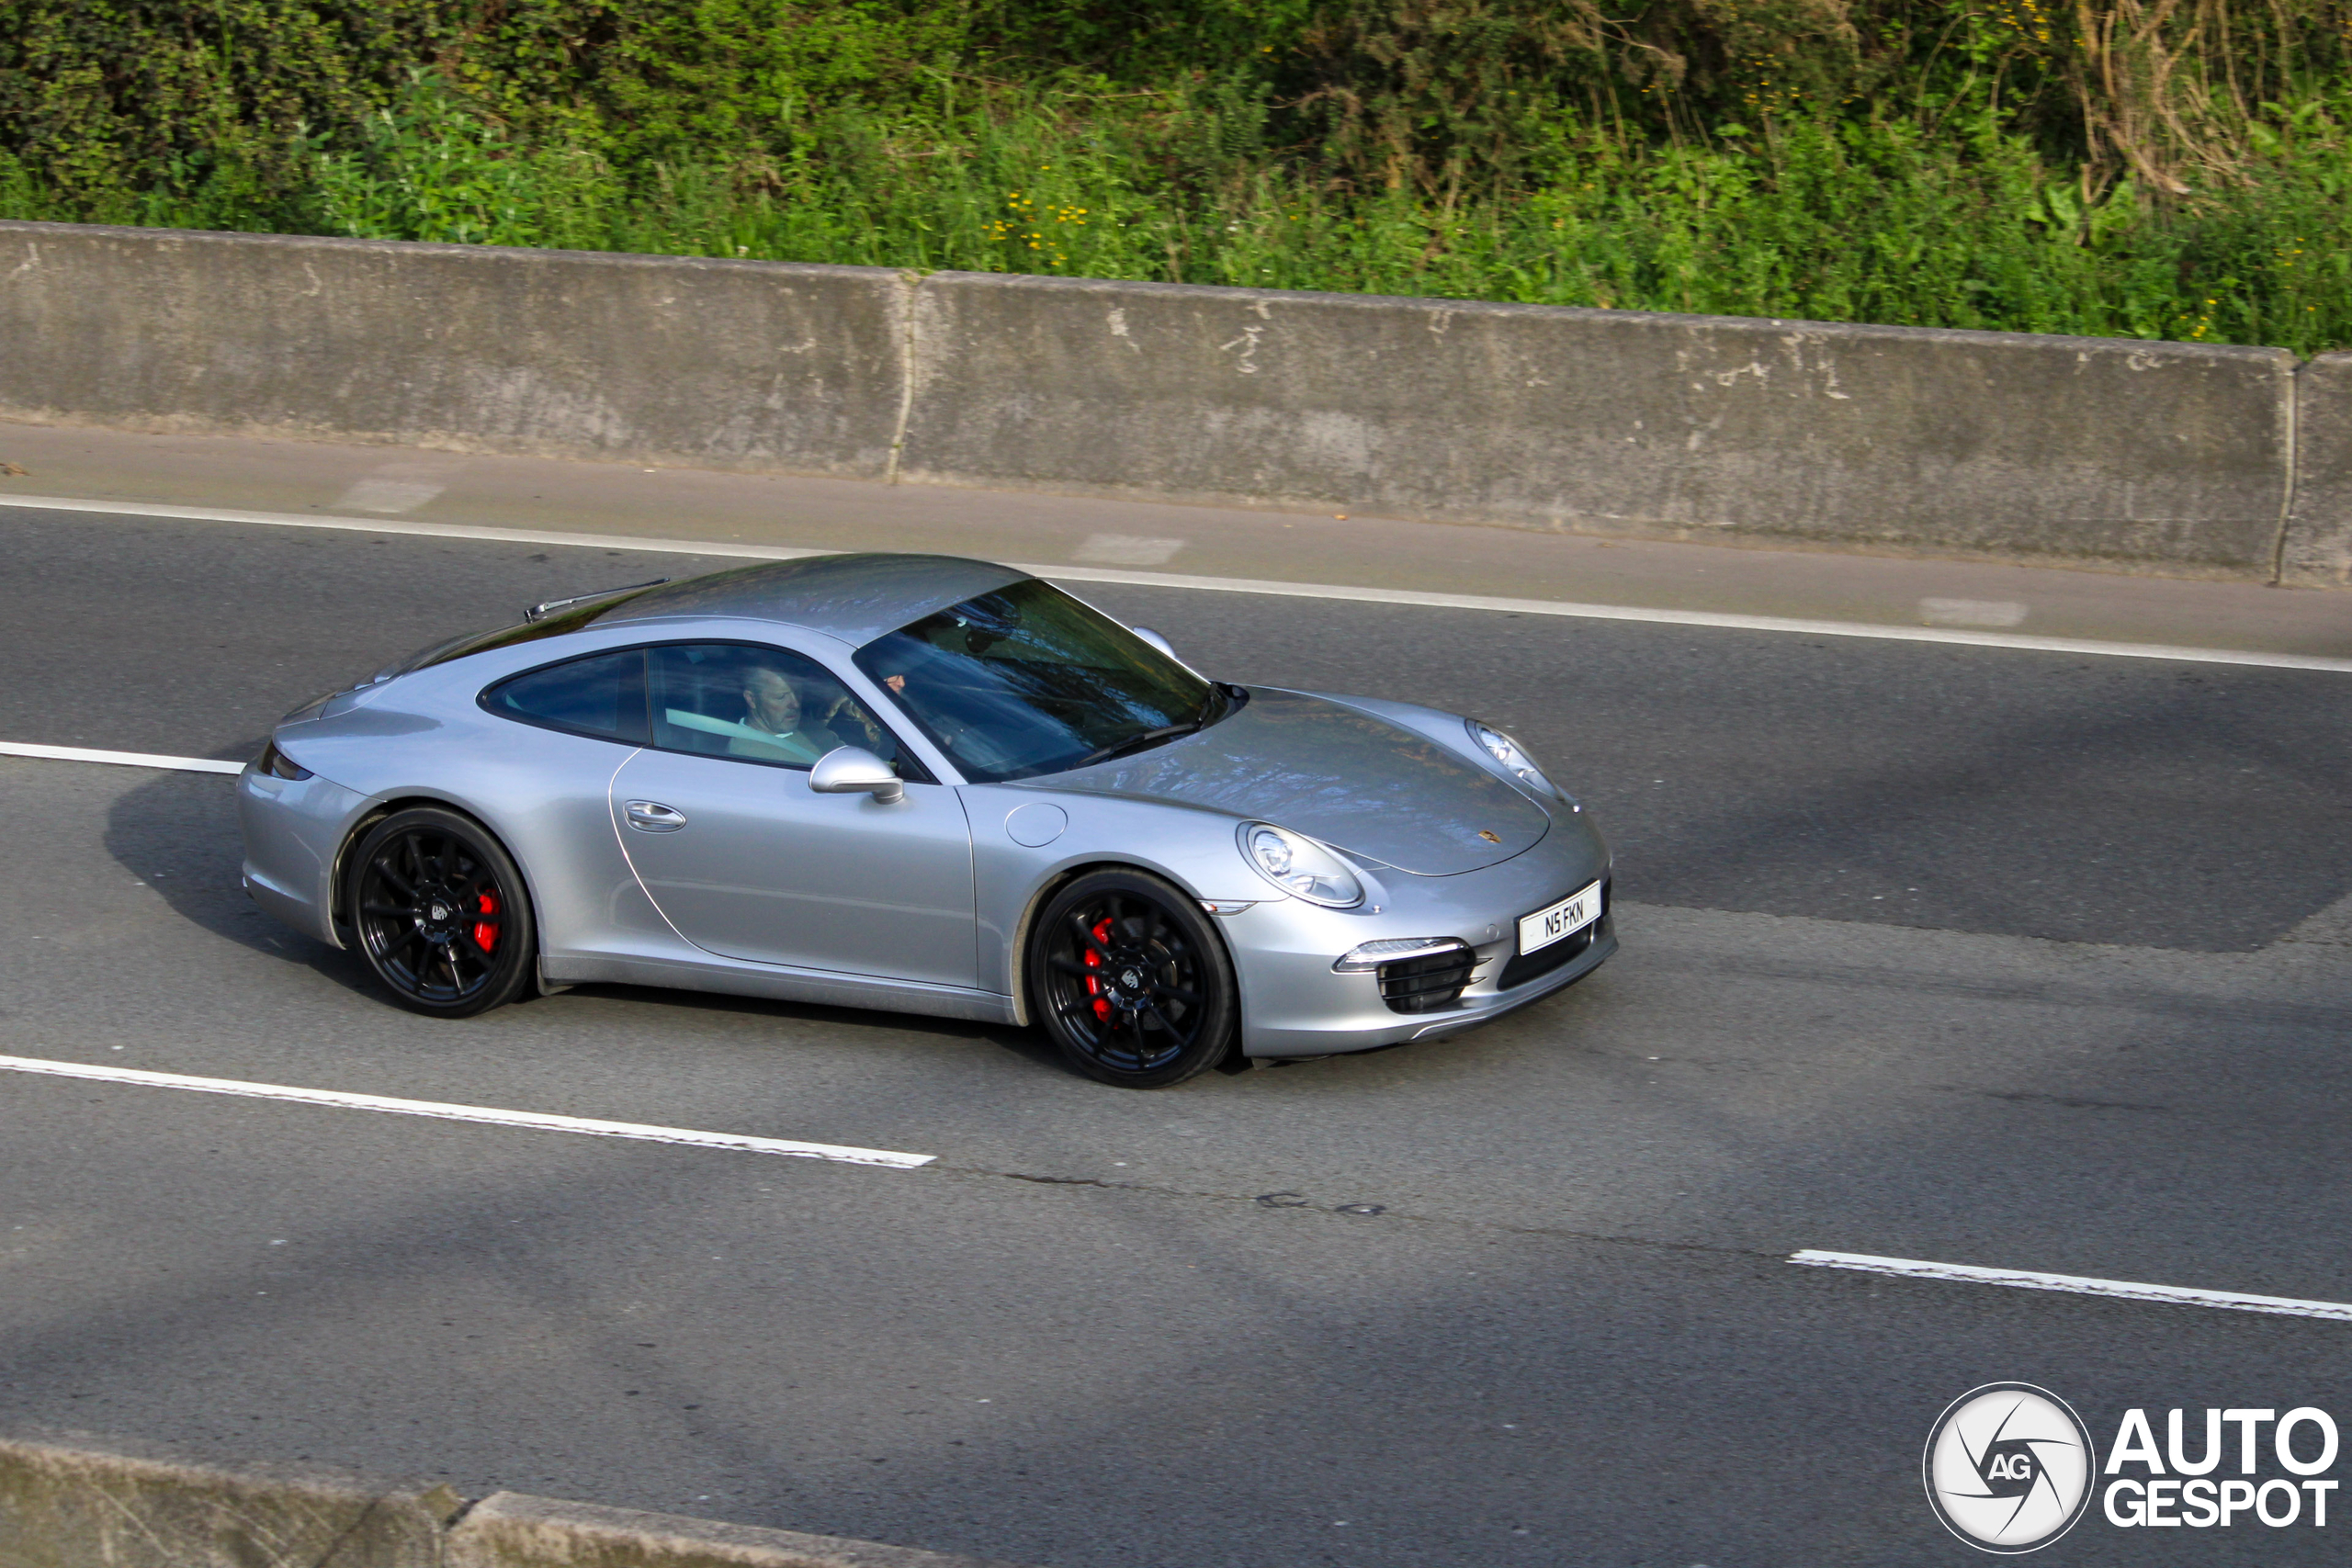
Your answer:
<point x="928" y="784"/>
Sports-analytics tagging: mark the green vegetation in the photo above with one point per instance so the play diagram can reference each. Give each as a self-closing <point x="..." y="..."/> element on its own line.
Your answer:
<point x="2153" y="168"/>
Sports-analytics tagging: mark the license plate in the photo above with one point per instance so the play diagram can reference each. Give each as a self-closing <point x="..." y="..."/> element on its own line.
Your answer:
<point x="1565" y="918"/>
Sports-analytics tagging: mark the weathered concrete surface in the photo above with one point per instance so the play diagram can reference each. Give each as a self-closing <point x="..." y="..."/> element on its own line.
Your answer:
<point x="74" y="1501"/>
<point x="2151" y="457"/>
<point x="2317" y="551"/>
<point x="509" y="1530"/>
<point x="716" y="363"/>
<point x="2168" y="458"/>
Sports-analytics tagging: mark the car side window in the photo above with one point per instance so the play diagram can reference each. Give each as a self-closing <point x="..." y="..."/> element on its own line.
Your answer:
<point x="760" y="704"/>
<point x="602" y="695"/>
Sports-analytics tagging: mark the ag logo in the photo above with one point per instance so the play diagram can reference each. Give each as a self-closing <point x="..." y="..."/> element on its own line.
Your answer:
<point x="2010" y="1467"/>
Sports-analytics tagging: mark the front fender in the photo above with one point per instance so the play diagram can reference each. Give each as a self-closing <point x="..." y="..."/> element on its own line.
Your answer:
<point x="1192" y="847"/>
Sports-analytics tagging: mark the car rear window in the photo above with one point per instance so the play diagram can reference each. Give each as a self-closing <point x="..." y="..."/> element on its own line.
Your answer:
<point x="600" y="695"/>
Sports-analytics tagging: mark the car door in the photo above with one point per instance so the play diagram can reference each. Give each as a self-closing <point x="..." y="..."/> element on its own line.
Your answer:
<point x="746" y="861"/>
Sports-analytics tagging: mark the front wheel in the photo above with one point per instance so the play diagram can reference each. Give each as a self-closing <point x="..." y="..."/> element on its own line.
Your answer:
<point x="1131" y="981"/>
<point x="440" y="914"/>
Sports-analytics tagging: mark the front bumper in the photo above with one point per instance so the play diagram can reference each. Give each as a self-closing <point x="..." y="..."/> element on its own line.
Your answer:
<point x="1293" y="1004"/>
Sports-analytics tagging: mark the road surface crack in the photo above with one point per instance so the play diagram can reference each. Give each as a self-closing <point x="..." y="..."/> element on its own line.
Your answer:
<point x="1362" y="1211"/>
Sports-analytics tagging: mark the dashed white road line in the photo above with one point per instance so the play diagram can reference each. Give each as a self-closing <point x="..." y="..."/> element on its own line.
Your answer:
<point x="2077" y="1284"/>
<point x="120" y="758"/>
<point x="388" y="495"/>
<point x="1064" y="572"/>
<point x="532" y="1119"/>
<point x="1127" y="549"/>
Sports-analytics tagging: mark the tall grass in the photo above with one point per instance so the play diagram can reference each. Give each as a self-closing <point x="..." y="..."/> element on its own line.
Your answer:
<point x="1944" y="204"/>
<point x="1965" y="224"/>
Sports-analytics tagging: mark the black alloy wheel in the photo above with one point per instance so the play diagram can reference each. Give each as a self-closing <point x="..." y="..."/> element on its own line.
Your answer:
<point x="440" y="913"/>
<point x="1131" y="980"/>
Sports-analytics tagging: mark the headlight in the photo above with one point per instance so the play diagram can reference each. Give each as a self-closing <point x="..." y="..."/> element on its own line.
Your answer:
<point x="1507" y="751"/>
<point x="1300" y="866"/>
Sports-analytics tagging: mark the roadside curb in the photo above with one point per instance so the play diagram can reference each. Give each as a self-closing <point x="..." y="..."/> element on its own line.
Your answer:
<point x="69" y="1500"/>
<point x="510" y="1530"/>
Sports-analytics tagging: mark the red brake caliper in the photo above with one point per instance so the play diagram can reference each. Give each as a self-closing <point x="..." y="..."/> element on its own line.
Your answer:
<point x="486" y="927"/>
<point x="1094" y="960"/>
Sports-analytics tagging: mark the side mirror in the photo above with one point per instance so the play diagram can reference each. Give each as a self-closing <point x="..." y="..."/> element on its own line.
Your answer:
<point x="1157" y="641"/>
<point x="849" y="770"/>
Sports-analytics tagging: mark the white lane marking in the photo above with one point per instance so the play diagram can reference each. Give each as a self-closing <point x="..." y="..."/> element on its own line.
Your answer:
<point x="407" y="526"/>
<point x="1697" y="618"/>
<point x="1065" y="573"/>
<point x="122" y="758"/>
<point x="1971" y="612"/>
<point x="388" y="495"/>
<point x="1127" y="549"/>
<point x="2077" y="1284"/>
<point x="536" y="1121"/>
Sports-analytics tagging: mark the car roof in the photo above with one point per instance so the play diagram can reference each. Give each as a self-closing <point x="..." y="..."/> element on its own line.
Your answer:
<point x="854" y="597"/>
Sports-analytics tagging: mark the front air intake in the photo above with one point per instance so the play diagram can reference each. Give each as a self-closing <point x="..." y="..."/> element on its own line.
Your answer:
<point x="1425" y="984"/>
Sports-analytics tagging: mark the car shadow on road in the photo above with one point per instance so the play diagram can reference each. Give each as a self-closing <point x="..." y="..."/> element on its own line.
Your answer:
<point x="177" y="832"/>
<point x="1029" y="1044"/>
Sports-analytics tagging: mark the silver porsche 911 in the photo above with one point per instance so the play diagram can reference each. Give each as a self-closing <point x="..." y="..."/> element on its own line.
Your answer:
<point x="928" y="784"/>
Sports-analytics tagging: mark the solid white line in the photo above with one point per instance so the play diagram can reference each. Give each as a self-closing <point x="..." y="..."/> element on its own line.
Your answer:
<point x="1069" y="573"/>
<point x="533" y="1120"/>
<point x="2078" y="1284"/>
<point x="408" y="526"/>
<point x="1696" y="618"/>
<point x="122" y="758"/>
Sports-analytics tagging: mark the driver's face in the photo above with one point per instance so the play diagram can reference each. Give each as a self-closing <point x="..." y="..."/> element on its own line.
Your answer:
<point x="770" y="702"/>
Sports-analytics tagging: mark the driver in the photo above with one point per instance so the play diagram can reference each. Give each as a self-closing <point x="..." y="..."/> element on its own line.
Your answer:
<point x="773" y="728"/>
<point x="785" y="722"/>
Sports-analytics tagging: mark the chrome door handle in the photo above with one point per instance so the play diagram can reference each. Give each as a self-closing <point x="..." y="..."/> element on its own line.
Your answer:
<point x="653" y="816"/>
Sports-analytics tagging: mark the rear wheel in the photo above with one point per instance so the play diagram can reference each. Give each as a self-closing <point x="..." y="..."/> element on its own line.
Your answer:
<point x="1131" y="981"/>
<point x="440" y="914"/>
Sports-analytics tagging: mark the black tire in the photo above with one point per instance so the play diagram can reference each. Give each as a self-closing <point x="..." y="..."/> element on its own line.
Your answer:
<point x="1131" y="981"/>
<point x="439" y="912"/>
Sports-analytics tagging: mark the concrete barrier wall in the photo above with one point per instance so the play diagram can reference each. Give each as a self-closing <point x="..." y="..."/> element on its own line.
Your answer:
<point x="2163" y="457"/>
<point x="716" y="364"/>
<point x="72" y="1504"/>
<point x="2317" y="550"/>
<point x="80" y="1502"/>
<point x="1600" y="420"/>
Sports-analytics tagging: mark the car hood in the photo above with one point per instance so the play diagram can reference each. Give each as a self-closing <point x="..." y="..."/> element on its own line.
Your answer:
<point x="1337" y="775"/>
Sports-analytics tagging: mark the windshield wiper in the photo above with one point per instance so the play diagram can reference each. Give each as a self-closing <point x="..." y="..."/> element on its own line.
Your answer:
<point x="1138" y="742"/>
<point x="546" y="607"/>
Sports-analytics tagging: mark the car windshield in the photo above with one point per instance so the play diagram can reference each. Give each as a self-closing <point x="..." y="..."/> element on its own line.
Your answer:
<point x="1027" y="679"/>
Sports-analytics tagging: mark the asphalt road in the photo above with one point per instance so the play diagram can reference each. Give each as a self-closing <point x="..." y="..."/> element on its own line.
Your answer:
<point x="1981" y="956"/>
